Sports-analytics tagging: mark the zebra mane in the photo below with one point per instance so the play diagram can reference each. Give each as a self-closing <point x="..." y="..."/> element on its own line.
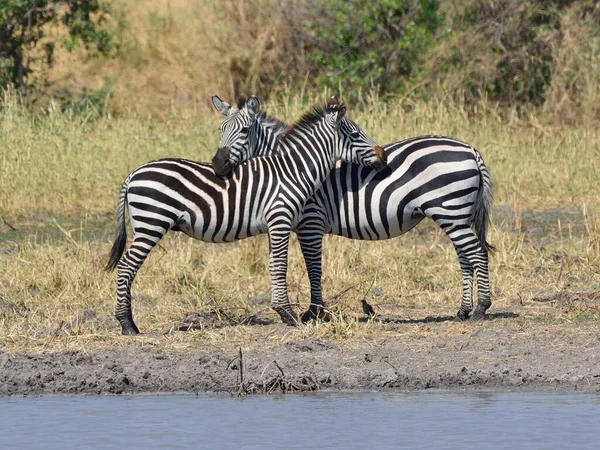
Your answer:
<point x="241" y="102"/>
<point x="311" y="117"/>
<point x="277" y="125"/>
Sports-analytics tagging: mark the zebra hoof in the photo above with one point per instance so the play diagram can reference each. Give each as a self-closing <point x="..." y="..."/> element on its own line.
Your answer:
<point x="478" y="314"/>
<point x="129" y="329"/>
<point x="287" y="314"/>
<point x="308" y="316"/>
<point x="463" y="315"/>
<point x="316" y="312"/>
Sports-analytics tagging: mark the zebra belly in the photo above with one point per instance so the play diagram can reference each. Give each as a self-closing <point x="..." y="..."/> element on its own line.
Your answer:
<point x="224" y="231"/>
<point x="368" y="225"/>
<point x="360" y="204"/>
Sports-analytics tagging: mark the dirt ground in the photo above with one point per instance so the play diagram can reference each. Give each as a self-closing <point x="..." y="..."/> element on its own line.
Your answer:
<point x="504" y="352"/>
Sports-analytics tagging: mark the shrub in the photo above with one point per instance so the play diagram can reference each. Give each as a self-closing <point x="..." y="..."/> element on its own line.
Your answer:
<point x="360" y="44"/>
<point x="24" y="25"/>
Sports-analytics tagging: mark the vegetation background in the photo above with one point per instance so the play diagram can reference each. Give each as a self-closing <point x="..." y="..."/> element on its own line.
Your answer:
<point x="92" y="89"/>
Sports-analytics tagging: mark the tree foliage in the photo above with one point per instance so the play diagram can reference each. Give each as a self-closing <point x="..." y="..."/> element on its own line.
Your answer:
<point x="360" y="42"/>
<point x="24" y="26"/>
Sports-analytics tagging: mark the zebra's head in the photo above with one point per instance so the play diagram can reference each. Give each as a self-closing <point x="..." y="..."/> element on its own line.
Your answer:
<point x="234" y="146"/>
<point x="246" y="133"/>
<point x="354" y="144"/>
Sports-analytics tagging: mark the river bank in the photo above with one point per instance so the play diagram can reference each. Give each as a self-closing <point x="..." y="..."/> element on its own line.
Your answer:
<point x="504" y="353"/>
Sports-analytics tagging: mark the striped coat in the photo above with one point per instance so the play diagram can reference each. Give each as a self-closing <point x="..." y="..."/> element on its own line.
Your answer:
<point x="265" y="195"/>
<point x="427" y="176"/>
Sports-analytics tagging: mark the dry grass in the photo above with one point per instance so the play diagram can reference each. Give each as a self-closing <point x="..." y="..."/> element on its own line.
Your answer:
<point x="59" y="178"/>
<point x="536" y="284"/>
<point x="174" y="54"/>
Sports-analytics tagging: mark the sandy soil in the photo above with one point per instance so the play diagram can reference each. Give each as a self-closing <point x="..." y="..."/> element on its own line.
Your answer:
<point x="502" y="356"/>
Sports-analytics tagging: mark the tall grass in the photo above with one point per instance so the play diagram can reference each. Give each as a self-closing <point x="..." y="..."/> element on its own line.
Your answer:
<point x="65" y="163"/>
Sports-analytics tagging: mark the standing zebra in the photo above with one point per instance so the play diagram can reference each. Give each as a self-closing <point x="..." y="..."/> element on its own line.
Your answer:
<point x="426" y="176"/>
<point x="265" y="195"/>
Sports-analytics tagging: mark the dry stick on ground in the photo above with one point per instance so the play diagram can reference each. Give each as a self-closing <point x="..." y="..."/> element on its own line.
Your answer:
<point x="342" y="293"/>
<point x="282" y="383"/>
<point x="242" y="388"/>
<point x="560" y="272"/>
<point x="279" y="382"/>
<point x="385" y="360"/>
<point x="8" y="224"/>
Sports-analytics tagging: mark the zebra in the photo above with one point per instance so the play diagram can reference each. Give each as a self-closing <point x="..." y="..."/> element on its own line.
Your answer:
<point x="427" y="176"/>
<point x="264" y="195"/>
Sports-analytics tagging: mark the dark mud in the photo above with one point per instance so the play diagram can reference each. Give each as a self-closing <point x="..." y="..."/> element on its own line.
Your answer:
<point x="497" y="359"/>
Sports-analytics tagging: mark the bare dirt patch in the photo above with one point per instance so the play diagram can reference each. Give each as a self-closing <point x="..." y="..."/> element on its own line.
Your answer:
<point x="504" y="353"/>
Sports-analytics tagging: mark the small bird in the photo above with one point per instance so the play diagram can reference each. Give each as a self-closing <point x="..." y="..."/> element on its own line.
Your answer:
<point x="367" y="309"/>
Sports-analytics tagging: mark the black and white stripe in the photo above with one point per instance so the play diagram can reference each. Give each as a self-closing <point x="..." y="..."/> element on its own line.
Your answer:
<point x="264" y="195"/>
<point x="427" y="176"/>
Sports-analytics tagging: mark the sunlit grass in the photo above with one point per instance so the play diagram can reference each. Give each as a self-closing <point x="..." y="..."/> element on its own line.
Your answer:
<point x="60" y="176"/>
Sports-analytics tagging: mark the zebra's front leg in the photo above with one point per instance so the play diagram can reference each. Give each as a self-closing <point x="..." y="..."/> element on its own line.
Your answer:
<point x="311" y="243"/>
<point x="278" y="255"/>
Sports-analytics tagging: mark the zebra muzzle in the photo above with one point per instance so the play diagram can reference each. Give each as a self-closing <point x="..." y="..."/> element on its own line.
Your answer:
<point x="221" y="163"/>
<point x="381" y="162"/>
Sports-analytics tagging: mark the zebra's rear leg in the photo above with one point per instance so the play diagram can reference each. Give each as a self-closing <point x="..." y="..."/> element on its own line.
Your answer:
<point x="479" y="261"/>
<point x="466" y="304"/>
<point x="465" y="242"/>
<point x="127" y="268"/>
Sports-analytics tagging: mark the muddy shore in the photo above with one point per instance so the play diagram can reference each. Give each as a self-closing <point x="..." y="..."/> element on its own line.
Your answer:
<point x="491" y="358"/>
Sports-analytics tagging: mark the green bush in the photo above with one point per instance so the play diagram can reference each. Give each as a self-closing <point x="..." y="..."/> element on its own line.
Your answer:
<point x="23" y="26"/>
<point x="360" y="43"/>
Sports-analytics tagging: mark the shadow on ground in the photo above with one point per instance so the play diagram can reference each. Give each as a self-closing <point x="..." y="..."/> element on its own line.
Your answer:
<point x="436" y="319"/>
<point x="196" y="321"/>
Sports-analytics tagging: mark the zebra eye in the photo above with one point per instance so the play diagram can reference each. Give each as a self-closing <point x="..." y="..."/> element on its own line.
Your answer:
<point x="244" y="130"/>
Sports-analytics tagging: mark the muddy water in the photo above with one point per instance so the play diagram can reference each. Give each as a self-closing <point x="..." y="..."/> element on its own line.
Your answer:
<point x="365" y="420"/>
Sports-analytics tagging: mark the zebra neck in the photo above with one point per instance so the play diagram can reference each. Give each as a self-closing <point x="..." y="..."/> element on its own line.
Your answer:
<point x="306" y="167"/>
<point x="268" y="138"/>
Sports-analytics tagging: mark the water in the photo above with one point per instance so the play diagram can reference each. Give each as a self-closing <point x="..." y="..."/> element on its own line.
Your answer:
<point x="436" y="420"/>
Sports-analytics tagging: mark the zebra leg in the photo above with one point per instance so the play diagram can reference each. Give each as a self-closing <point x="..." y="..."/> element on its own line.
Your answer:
<point x="311" y="243"/>
<point x="127" y="268"/>
<point x="465" y="243"/>
<point x="484" y="300"/>
<point x="466" y="304"/>
<point x="278" y="255"/>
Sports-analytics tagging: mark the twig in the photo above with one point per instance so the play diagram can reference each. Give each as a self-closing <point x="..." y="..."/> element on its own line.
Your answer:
<point x="282" y="383"/>
<point x="562" y="264"/>
<point x="8" y="224"/>
<point x="242" y="388"/>
<point x="341" y="293"/>
<point x="385" y="360"/>
<point x="370" y="286"/>
<point x="65" y="232"/>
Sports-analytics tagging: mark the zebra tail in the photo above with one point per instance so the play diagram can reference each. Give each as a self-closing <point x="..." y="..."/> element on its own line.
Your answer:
<point x="118" y="247"/>
<point x="483" y="204"/>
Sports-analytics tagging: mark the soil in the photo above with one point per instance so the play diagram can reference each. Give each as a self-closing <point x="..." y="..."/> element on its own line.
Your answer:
<point x="503" y="356"/>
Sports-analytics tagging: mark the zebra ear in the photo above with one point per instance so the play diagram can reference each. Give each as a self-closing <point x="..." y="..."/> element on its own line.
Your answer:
<point x="220" y="105"/>
<point x="253" y="105"/>
<point x="339" y="117"/>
